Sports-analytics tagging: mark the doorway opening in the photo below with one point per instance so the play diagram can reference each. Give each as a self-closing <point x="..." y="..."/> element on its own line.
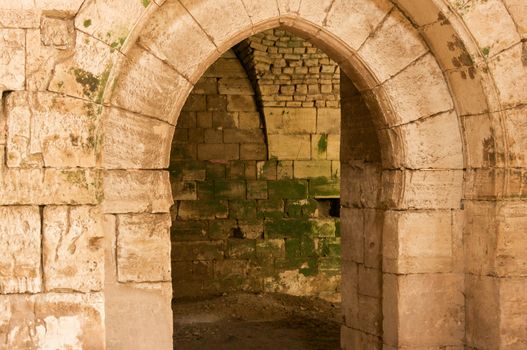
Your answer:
<point x="255" y="172"/>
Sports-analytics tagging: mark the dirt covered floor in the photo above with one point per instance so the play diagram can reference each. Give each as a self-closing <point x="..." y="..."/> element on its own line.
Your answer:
<point x="256" y="321"/>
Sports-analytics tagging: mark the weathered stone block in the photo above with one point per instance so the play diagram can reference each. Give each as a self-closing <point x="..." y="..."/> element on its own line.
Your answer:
<point x="425" y="150"/>
<point x="289" y="147"/>
<point x="423" y="310"/>
<point x="73" y="253"/>
<point x="312" y="168"/>
<point x="57" y="32"/>
<point x="509" y="73"/>
<point x="136" y="191"/>
<point x="393" y="46"/>
<point x="49" y="186"/>
<point x="418" y="242"/>
<point x="210" y="209"/>
<point x="353" y="21"/>
<point x="256" y="189"/>
<point x="51" y="130"/>
<point x="85" y="73"/>
<point x="143" y="248"/>
<point x="423" y="189"/>
<point x="222" y="21"/>
<point x="220" y="151"/>
<point x="230" y="189"/>
<point x="134" y="141"/>
<point x="20" y="268"/>
<point x="53" y="321"/>
<point x="290" y="189"/>
<point x="198" y="251"/>
<point x="110" y="22"/>
<point x="13" y="60"/>
<point x="134" y="89"/>
<point x="289" y="121"/>
<point x="322" y="187"/>
<point x="491" y="25"/>
<point x="430" y="92"/>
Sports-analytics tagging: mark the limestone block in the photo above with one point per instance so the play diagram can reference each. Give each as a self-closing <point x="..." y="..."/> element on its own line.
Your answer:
<point x="53" y="321"/>
<point x="510" y="74"/>
<point x="373" y="237"/>
<point x="235" y="86"/>
<point x="370" y="282"/>
<point x="328" y="120"/>
<point x="370" y="315"/>
<point x="12" y="60"/>
<point x="73" y="252"/>
<point x="422" y="12"/>
<point x="511" y="243"/>
<point x="135" y="141"/>
<point x="303" y="169"/>
<point x="143" y="248"/>
<point x="424" y="310"/>
<point x="448" y="47"/>
<point x="86" y="72"/>
<point x="479" y="140"/>
<point x="49" y="186"/>
<point x="352" y="236"/>
<point x="41" y="60"/>
<point x="490" y="24"/>
<point x="259" y="11"/>
<point x="141" y="309"/>
<point x="360" y="184"/>
<point x="57" y="32"/>
<point x="290" y="120"/>
<point x="173" y="36"/>
<point x="513" y="307"/>
<point x="433" y="143"/>
<point x="68" y="7"/>
<point x="20" y="242"/>
<point x="480" y="237"/>
<point x="393" y="46"/>
<point x="423" y="189"/>
<point x="351" y="339"/>
<point x="418" y="241"/>
<point x="136" y="191"/>
<point x="516" y="9"/>
<point x="333" y="150"/>
<point x="289" y="147"/>
<point x="19" y="18"/>
<point x="350" y="296"/>
<point x="482" y="311"/>
<point x="51" y="130"/>
<point x="221" y="21"/>
<point x="419" y="91"/>
<point x="516" y="125"/>
<point x="149" y="86"/>
<point x="314" y="11"/>
<point x="110" y="21"/>
<point x="353" y="21"/>
<point x="218" y="151"/>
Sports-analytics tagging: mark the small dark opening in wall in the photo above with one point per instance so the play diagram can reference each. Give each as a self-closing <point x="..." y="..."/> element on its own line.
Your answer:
<point x="329" y="207"/>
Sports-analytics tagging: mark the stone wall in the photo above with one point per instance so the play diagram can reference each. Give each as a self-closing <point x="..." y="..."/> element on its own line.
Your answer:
<point x="243" y="220"/>
<point x="92" y="91"/>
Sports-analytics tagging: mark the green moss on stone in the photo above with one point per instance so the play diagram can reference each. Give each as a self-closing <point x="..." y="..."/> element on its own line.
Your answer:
<point x="322" y="145"/>
<point x="145" y="3"/>
<point x="86" y="23"/>
<point x="322" y="187"/>
<point x="287" y="189"/>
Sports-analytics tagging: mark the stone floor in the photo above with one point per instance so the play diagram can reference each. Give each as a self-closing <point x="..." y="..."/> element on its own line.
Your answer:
<point x="256" y="321"/>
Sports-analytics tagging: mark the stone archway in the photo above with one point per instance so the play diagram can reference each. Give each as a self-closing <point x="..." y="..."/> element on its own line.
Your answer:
<point x="424" y="173"/>
<point x="126" y="62"/>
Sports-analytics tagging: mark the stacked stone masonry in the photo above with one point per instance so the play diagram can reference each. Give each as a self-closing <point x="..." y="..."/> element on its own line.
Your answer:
<point x="91" y="94"/>
<point x="243" y="220"/>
